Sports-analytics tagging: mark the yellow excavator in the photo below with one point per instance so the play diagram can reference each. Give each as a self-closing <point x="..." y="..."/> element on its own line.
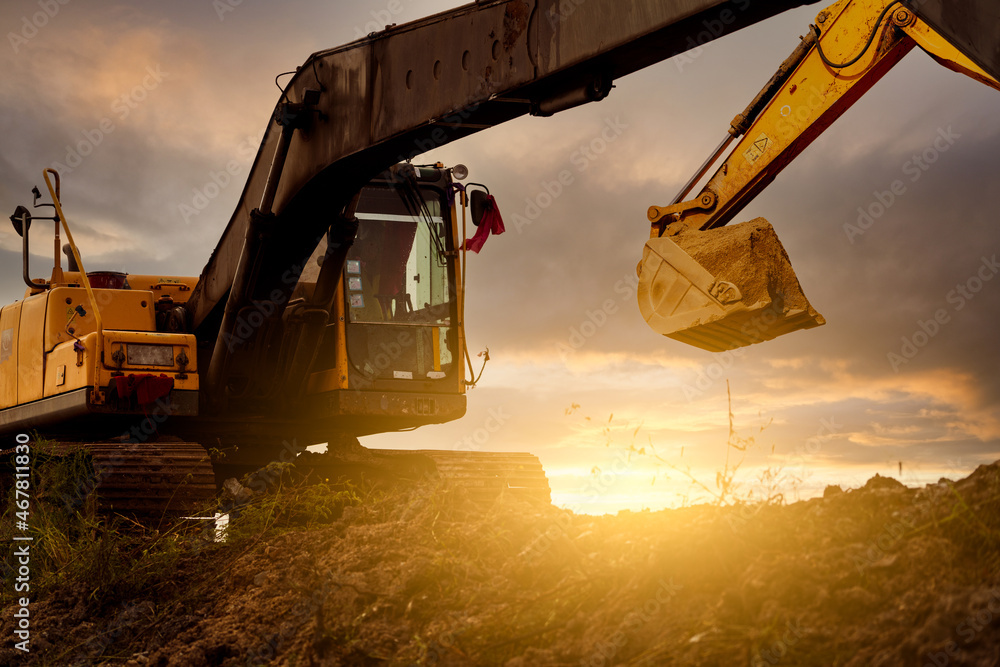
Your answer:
<point x="333" y="305"/>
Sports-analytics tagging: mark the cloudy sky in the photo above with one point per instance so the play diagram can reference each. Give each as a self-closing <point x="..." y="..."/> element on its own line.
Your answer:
<point x="164" y="94"/>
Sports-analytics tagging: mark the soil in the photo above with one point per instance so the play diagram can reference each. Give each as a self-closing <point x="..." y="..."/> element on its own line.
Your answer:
<point x="750" y="256"/>
<point x="880" y="575"/>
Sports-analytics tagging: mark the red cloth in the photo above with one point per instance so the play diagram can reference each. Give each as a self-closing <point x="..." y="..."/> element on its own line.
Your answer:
<point x="396" y="245"/>
<point x="148" y="388"/>
<point x="492" y="222"/>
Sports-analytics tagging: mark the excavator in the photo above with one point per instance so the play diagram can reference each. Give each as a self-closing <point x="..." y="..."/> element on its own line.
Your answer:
<point x="333" y="305"/>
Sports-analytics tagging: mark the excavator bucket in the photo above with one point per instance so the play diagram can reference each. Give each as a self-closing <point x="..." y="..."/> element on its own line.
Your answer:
<point x="722" y="288"/>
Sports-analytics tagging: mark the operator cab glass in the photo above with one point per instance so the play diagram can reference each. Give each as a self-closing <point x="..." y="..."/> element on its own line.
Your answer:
<point x="398" y="294"/>
<point x="399" y="300"/>
<point x="397" y="270"/>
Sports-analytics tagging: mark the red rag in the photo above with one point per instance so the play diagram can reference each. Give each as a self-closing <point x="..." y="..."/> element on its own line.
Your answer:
<point x="122" y="385"/>
<point x="491" y="222"/>
<point x="149" y="388"/>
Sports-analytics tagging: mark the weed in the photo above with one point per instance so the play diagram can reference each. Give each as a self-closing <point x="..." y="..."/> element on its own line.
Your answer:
<point x="727" y="489"/>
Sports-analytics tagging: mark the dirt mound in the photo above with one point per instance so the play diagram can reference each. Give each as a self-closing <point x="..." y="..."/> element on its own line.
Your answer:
<point x="881" y="575"/>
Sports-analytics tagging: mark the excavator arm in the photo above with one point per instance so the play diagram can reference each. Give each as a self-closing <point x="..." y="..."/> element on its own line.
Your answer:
<point x="348" y="114"/>
<point x="851" y="46"/>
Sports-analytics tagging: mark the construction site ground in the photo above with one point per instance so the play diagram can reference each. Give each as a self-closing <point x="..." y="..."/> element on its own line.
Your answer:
<point x="879" y="575"/>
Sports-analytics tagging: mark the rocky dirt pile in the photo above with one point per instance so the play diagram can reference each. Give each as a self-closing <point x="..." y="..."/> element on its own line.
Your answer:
<point x="881" y="575"/>
<point x="749" y="255"/>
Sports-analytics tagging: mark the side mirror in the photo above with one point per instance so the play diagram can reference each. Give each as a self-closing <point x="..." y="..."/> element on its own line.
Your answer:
<point x="21" y="220"/>
<point x="479" y="200"/>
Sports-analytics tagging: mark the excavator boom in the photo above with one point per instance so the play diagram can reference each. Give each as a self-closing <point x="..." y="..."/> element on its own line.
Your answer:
<point x="350" y="113"/>
<point x="721" y="290"/>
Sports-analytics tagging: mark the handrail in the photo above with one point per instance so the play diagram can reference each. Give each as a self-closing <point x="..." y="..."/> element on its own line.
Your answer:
<point x="85" y="279"/>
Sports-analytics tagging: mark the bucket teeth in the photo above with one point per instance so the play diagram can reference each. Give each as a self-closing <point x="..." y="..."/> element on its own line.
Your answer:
<point x="722" y="288"/>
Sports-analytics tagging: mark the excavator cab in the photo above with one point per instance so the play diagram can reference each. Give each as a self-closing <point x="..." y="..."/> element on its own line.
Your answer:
<point x="391" y="351"/>
<point x="399" y="307"/>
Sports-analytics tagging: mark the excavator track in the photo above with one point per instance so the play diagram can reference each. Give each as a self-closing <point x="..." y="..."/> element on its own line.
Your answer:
<point x="144" y="481"/>
<point x="482" y="477"/>
<point x="486" y="475"/>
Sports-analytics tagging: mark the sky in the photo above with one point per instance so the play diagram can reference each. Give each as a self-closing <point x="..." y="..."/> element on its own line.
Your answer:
<point x="167" y="97"/>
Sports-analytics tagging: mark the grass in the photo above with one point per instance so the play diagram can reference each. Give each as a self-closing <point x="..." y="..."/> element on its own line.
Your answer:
<point x="293" y="502"/>
<point x="465" y="586"/>
<point x="107" y="559"/>
<point x="729" y="487"/>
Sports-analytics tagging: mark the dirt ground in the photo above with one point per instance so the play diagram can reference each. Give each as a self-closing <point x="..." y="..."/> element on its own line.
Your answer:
<point x="881" y="575"/>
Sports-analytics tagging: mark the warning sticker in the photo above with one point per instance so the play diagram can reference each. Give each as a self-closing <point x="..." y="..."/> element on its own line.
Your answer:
<point x="357" y="301"/>
<point x="759" y="146"/>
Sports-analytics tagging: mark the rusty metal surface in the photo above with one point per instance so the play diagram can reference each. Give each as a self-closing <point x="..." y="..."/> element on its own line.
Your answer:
<point x="411" y="88"/>
<point x="973" y="26"/>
